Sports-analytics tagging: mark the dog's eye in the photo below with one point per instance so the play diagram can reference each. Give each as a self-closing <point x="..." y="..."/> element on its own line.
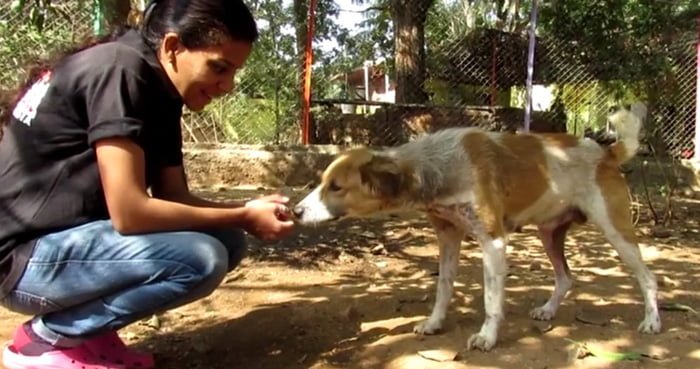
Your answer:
<point x="333" y="187"/>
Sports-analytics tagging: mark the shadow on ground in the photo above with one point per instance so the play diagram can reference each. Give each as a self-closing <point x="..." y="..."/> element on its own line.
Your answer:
<point x="348" y="295"/>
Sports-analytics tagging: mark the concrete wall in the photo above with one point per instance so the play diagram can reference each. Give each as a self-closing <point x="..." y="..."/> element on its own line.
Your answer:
<point x="210" y="166"/>
<point x="232" y="165"/>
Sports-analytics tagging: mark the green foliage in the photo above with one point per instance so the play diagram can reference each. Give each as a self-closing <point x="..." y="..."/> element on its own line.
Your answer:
<point x="624" y="45"/>
<point x="246" y="120"/>
<point x="26" y="36"/>
<point x="620" y="40"/>
<point x="452" y="20"/>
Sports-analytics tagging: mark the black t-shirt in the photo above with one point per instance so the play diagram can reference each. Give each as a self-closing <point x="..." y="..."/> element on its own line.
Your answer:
<point x="49" y="179"/>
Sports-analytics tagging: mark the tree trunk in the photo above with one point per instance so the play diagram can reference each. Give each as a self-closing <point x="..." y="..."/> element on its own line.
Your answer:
<point x="409" y="42"/>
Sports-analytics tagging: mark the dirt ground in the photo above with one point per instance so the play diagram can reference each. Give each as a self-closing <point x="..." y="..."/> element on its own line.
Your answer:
<point x="347" y="296"/>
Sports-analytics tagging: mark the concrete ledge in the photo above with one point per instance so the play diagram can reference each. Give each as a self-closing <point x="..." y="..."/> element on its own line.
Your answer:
<point x="211" y="165"/>
<point x="226" y="165"/>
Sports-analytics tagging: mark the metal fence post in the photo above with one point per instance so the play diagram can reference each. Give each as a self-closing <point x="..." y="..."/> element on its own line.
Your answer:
<point x="696" y="143"/>
<point x="530" y="65"/>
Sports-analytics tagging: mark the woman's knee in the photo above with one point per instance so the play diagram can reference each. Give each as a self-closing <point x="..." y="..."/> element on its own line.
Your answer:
<point x="235" y="242"/>
<point x="208" y="257"/>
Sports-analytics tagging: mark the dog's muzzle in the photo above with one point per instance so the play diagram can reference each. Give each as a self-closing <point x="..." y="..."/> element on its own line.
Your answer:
<point x="298" y="211"/>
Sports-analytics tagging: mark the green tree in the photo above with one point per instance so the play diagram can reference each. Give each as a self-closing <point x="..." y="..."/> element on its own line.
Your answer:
<point x="619" y="39"/>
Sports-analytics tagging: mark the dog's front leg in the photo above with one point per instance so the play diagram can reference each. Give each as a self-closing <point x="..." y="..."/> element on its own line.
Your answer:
<point x="495" y="270"/>
<point x="449" y="238"/>
<point x="493" y="246"/>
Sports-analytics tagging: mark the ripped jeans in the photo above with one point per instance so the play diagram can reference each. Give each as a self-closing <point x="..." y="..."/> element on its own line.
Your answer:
<point x="90" y="279"/>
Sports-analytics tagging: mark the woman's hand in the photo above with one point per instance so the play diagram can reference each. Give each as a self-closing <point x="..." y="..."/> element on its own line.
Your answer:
<point x="269" y="217"/>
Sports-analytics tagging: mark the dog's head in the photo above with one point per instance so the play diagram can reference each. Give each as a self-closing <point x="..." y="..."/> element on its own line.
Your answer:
<point x="626" y="112"/>
<point x="359" y="182"/>
<point x="627" y="119"/>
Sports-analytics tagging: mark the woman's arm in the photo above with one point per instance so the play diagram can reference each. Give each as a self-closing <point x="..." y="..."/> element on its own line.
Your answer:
<point x="122" y="170"/>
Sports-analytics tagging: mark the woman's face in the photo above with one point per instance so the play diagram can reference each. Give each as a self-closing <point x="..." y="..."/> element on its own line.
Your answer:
<point x="203" y="74"/>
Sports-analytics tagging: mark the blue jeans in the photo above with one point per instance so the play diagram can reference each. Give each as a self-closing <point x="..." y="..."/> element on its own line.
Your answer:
<point x="90" y="279"/>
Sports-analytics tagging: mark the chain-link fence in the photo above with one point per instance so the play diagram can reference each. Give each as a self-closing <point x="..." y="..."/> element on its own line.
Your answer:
<point x="263" y="110"/>
<point x="476" y="75"/>
<point x="32" y="32"/>
<point x="459" y="72"/>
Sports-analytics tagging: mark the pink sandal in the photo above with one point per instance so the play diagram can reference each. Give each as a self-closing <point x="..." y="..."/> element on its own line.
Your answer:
<point x="109" y="346"/>
<point x="70" y="358"/>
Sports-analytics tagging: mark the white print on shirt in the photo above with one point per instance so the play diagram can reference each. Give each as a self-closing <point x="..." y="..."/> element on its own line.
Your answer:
<point x="25" y="111"/>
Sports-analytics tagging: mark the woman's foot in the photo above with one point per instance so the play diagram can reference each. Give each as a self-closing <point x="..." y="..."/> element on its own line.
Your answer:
<point x="109" y="346"/>
<point x="29" y="351"/>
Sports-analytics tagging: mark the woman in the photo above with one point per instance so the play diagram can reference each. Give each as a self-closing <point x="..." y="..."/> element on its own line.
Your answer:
<point x="84" y="247"/>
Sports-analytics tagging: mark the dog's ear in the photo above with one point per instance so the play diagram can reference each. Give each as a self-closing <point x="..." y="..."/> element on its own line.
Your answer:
<point x="384" y="176"/>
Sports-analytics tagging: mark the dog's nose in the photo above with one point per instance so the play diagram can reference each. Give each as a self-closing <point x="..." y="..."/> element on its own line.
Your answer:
<point x="298" y="211"/>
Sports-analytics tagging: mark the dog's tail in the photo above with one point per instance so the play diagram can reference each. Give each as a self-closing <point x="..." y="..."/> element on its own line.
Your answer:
<point x="628" y="124"/>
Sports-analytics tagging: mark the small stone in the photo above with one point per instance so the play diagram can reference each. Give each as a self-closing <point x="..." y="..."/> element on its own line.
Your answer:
<point x="153" y="322"/>
<point x="130" y="336"/>
<point x="665" y="281"/>
<point x="658" y="353"/>
<point x="576" y="352"/>
<point x="439" y="355"/>
<point x="587" y="318"/>
<point x="660" y="232"/>
<point x="535" y="265"/>
<point x="542" y="326"/>
<point x="344" y="257"/>
<point x="379" y="250"/>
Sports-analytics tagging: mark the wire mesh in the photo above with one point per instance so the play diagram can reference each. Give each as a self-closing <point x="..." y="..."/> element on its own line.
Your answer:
<point x="468" y="73"/>
<point x="261" y="111"/>
<point x="476" y="76"/>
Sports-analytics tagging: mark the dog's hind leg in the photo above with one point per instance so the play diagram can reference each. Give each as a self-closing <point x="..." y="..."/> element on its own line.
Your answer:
<point x="449" y="238"/>
<point x="609" y="209"/>
<point x="553" y="241"/>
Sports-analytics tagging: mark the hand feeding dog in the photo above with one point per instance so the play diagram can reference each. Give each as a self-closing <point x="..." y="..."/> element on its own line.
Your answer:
<point x="467" y="180"/>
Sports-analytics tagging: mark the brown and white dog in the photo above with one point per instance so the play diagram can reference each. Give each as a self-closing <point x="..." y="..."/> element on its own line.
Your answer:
<point x="487" y="184"/>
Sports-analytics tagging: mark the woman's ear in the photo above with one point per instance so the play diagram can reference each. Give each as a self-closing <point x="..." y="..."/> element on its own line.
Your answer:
<point x="170" y="47"/>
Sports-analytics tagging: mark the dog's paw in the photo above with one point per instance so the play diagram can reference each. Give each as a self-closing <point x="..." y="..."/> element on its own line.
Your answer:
<point x="427" y="327"/>
<point x="650" y="325"/>
<point x="481" y="342"/>
<point x="542" y="313"/>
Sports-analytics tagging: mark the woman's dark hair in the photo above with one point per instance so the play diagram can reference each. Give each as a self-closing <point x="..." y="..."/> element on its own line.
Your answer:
<point x="199" y="23"/>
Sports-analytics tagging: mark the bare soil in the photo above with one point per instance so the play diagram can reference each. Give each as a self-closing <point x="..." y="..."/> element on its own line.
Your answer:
<point x="347" y="296"/>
